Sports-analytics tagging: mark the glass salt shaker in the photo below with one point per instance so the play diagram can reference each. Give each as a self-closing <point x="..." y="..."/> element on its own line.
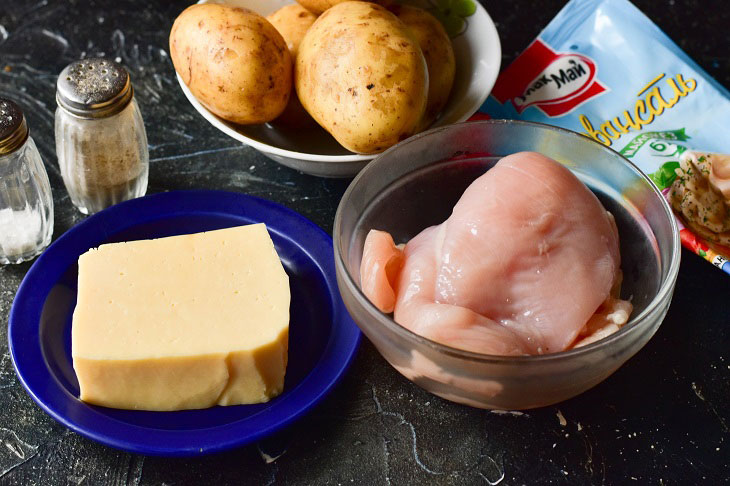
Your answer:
<point x="26" y="204"/>
<point x="101" y="141"/>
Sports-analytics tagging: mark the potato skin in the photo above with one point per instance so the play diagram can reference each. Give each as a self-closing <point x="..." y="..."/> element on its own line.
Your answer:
<point x="292" y="22"/>
<point x="362" y="76"/>
<point x="319" y="6"/>
<point x="439" y="53"/>
<point x="234" y="62"/>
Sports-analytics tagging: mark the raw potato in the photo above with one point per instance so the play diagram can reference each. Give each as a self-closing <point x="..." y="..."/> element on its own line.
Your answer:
<point x="319" y="6"/>
<point x="436" y="47"/>
<point x="362" y="76"/>
<point x="292" y="22"/>
<point x="234" y="62"/>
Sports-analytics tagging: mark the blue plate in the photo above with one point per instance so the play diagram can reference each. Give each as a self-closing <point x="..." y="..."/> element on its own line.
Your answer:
<point x="322" y="335"/>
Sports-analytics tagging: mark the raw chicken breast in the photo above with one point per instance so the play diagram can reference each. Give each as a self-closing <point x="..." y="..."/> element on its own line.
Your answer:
<point x="381" y="264"/>
<point x="520" y="267"/>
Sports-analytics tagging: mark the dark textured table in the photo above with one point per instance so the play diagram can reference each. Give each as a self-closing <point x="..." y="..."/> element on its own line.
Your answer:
<point x="663" y="418"/>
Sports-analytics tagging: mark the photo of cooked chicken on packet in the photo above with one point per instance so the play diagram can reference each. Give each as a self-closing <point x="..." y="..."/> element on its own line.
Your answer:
<point x="602" y="68"/>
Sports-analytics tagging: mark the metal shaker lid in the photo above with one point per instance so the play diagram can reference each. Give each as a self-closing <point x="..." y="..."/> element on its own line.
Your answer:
<point x="93" y="88"/>
<point x="13" y="129"/>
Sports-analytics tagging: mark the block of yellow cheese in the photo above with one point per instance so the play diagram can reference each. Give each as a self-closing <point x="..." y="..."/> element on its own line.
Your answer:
<point x="182" y="322"/>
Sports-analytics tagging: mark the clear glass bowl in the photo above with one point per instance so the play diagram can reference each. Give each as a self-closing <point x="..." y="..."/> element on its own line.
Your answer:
<point x="416" y="183"/>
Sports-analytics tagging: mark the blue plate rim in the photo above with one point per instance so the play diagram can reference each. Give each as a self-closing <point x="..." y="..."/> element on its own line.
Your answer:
<point x="324" y="375"/>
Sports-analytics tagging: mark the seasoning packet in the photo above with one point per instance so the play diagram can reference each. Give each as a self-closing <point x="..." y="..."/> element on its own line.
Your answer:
<point x="603" y="69"/>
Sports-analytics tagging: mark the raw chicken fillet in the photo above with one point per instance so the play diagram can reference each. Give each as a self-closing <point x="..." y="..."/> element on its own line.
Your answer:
<point x="525" y="264"/>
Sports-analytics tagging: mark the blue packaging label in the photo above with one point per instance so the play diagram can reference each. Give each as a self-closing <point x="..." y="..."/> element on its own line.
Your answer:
<point x="603" y="69"/>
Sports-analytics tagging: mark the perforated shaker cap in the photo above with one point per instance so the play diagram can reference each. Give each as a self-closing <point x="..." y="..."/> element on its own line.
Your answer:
<point x="93" y="88"/>
<point x="13" y="129"/>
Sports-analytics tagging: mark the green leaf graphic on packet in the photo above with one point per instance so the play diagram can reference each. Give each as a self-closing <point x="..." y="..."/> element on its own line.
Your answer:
<point x="629" y="87"/>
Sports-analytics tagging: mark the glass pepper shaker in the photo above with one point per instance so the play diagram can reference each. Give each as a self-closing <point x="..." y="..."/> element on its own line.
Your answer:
<point x="26" y="204"/>
<point x="101" y="142"/>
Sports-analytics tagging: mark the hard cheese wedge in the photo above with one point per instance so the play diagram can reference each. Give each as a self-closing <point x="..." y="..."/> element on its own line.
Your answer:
<point x="182" y="322"/>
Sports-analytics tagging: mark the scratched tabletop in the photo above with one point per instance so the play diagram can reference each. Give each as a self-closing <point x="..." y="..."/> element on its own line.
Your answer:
<point x="662" y="418"/>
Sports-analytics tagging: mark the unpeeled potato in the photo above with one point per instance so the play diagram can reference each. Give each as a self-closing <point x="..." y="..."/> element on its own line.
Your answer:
<point x="292" y="22"/>
<point x="436" y="47"/>
<point x="362" y="76"/>
<point x="319" y="6"/>
<point x="233" y="61"/>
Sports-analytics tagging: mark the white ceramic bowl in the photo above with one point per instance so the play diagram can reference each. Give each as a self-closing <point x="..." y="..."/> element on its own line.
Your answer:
<point x="314" y="151"/>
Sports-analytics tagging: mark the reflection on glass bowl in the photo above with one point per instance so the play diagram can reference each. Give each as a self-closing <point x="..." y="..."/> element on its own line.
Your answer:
<point x="416" y="183"/>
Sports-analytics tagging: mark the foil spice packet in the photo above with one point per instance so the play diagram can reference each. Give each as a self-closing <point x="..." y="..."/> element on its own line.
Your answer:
<point x="603" y="69"/>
